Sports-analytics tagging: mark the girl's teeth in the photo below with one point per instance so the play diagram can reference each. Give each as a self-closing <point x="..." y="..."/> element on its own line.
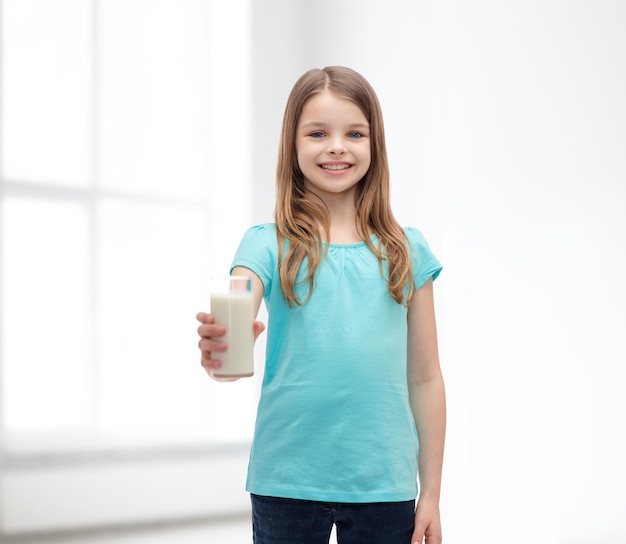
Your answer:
<point x="335" y="166"/>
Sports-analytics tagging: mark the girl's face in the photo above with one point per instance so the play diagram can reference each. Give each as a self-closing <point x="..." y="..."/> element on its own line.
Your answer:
<point x="332" y="145"/>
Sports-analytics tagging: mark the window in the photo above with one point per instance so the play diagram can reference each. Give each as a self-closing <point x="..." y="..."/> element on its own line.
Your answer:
<point x="119" y="164"/>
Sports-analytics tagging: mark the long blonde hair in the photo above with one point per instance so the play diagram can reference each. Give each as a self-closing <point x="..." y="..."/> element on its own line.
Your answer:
<point x="298" y="216"/>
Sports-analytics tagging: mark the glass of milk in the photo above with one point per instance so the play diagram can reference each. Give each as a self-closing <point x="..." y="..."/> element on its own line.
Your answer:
<point x="232" y="305"/>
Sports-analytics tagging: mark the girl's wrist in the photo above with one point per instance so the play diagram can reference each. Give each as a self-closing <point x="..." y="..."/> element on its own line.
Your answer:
<point x="429" y="495"/>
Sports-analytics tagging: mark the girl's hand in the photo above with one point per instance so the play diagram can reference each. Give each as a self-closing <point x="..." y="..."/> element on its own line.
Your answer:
<point x="427" y="523"/>
<point x="207" y="330"/>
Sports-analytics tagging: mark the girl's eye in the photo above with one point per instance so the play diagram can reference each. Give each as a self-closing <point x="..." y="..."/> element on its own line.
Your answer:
<point x="354" y="134"/>
<point x="317" y="134"/>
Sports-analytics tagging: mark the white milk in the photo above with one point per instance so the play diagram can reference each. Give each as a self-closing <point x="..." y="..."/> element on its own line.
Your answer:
<point x="235" y="311"/>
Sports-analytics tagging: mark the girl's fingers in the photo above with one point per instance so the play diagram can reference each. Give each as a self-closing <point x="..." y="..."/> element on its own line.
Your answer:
<point x="258" y="327"/>
<point x="205" y="318"/>
<point x="207" y="331"/>
<point x="208" y="346"/>
<point x="211" y="331"/>
<point x="208" y="363"/>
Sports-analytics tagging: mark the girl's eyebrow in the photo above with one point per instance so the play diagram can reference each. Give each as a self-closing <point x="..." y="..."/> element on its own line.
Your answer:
<point x="322" y="124"/>
<point x="360" y="125"/>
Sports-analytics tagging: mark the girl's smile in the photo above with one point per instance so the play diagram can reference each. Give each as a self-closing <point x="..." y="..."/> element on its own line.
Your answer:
<point x="336" y="167"/>
<point x="333" y="145"/>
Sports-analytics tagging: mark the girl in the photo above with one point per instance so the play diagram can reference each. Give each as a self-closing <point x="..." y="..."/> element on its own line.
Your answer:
<point x="352" y="374"/>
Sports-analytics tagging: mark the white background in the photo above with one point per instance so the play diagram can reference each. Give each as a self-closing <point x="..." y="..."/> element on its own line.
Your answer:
<point x="506" y="134"/>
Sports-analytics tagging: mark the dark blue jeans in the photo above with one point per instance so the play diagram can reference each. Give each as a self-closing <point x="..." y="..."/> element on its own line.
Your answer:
<point x="291" y="521"/>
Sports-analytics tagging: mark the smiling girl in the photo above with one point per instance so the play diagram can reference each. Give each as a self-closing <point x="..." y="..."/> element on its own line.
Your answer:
<point x="352" y="407"/>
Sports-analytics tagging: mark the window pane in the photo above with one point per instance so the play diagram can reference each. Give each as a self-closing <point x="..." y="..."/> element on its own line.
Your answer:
<point x="46" y="90"/>
<point x="99" y="296"/>
<point x="153" y="96"/>
<point x="152" y="265"/>
<point x="45" y="315"/>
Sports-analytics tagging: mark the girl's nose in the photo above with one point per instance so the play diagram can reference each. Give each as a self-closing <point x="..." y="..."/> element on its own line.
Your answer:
<point x="336" y="146"/>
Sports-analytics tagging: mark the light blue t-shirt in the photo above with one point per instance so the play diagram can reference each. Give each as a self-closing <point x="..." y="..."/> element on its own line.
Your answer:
<point x="334" y="422"/>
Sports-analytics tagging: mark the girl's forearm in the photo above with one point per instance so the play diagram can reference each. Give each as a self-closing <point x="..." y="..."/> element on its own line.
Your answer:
<point x="428" y="404"/>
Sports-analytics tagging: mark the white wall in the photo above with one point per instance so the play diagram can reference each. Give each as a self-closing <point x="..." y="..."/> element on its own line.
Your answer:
<point x="506" y="136"/>
<point x="532" y="179"/>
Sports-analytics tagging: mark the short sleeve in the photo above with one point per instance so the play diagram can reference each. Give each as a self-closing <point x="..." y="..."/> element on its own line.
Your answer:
<point x="258" y="252"/>
<point x="425" y="264"/>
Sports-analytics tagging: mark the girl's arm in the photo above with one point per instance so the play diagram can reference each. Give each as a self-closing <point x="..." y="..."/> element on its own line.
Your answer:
<point x="209" y="329"/>
<point x="257" y="285"/>
<point x="428" y="403"/>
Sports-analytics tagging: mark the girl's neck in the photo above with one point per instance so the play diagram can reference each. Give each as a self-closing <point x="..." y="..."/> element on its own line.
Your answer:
<point x="344" y="232"/>
<point x="343" y="228"/>
<point x="342" y="210"/>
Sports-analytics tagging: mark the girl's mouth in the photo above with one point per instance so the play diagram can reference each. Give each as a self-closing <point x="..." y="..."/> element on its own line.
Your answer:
<point x="333" y="166"/>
